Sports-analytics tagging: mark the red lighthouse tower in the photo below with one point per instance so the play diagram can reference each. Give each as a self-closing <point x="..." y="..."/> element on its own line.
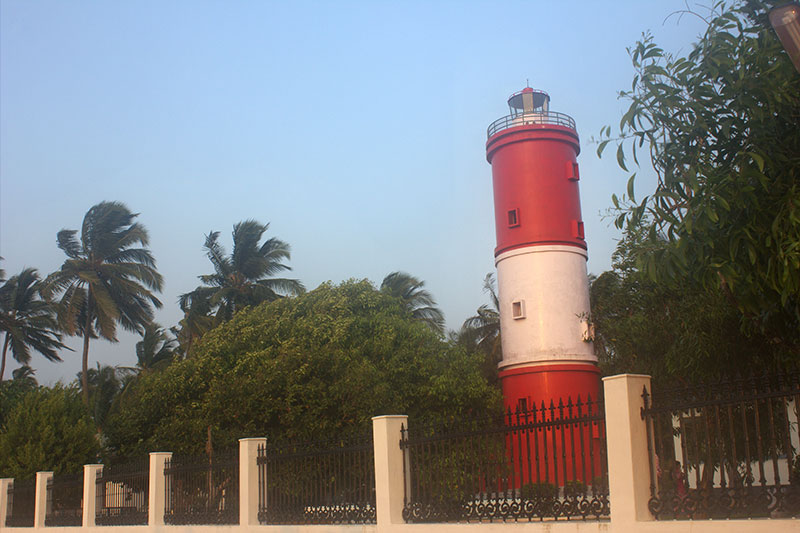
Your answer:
<point x="540" y="255"/>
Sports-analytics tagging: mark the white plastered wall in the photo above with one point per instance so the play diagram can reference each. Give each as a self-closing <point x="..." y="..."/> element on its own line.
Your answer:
<point x="552" y="284"/>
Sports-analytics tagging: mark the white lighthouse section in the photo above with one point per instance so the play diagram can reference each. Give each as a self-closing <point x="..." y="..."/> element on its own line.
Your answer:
<point x="544" y="306"/>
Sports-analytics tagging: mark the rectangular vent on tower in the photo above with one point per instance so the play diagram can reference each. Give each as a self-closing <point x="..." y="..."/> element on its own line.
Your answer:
<point x="577" y="229"/>
<point x="518" y="309"/>
<point x="572" y="171"/>
<point x="513" y="218"/>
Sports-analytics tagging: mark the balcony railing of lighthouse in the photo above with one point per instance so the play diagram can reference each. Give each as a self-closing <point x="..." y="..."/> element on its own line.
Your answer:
<point x="551" y="118"/>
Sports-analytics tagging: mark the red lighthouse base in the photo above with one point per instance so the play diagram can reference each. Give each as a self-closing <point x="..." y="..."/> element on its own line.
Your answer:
<point x="557" y="442"/>
<point x="529" y="386"/>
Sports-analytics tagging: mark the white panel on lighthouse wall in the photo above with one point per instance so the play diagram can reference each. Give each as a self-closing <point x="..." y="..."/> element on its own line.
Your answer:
<point x="553" y="283"/>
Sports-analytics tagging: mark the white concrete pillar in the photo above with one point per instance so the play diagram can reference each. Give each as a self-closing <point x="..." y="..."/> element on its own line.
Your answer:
<point x="628" y="456"/>
<point x="248" y="480"/>
<point x="90" y="493"/>
<point x="40" y="506"/>
<point x="4" y="484"/>
<point x="389" y="469"/>
<point x="157" y="501"/>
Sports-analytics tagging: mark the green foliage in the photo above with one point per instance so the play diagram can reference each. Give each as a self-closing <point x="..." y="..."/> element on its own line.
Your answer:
<point x="48" y="429"/>
<point x="12" y="391"/>
<point x="106" y="280"/>
<point x="27" y="320"/>
<point x="244" y="278"/>
<point x="482" y="331"/>
<point x="721" y="127"/>
<point x="671" y="331"/>
<point x="312" y="367"/>
<point x="417" y="301"/>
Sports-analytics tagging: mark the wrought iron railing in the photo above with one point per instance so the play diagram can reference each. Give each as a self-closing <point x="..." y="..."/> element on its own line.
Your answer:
<point x="122" y="494"/>
<point x="202" y="490"/>
<point x="21" y="503"/>
<point x="548" y="462"/>
<point x="725" y="450"/>
<point x="524" y="119"/>
<point x="64" y="500"/>
<point x="317" y="483"/>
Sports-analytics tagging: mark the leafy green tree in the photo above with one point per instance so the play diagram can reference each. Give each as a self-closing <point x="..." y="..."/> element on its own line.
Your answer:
<point x="155" y="350"/>
<point x="721" y="129"/>
<point x="417" y="301"/>
<point x="106" y="280"/>
<point x="245" y="277"/>
<point x="482" y="331"/>
<point x="48" y="429"/>
<point x="313" y="367"/>
<point x="27" y="320"/>
<point x="105" y="384"/>
<point x="673" y="332"/>
<point x="12" y="391"/>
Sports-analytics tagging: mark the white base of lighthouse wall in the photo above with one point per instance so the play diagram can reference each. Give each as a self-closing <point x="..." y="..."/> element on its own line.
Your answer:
<point x="544" y="305"/>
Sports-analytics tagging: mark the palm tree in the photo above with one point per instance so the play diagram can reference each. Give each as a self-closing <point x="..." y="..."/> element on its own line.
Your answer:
<point x="106" y="280"/>
<point x="28" y="320"/>
<point x="244" y="277"/>
<point x="416" y="300"/>
<point x="483" y="330"/>
<point x="155" y="350"/>
<point x="105" y="384"/>
<point x="25" y="376"/>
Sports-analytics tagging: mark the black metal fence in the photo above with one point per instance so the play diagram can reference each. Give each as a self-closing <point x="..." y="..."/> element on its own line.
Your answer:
<point x="202" y="490"/>
<point x="122" y="494"/>
<point x="726" y="449"/>
<point x="330" y="483"/>
<point x="21" y="503"/>
<point x="64" y="500"/>
<point x="548" y="462"/>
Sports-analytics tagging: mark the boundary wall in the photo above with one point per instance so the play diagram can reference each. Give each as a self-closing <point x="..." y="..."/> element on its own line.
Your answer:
<point x="629" y="486"/>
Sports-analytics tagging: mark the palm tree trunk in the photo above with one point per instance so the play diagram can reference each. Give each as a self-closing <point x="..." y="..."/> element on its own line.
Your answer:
<point x="3" y="363"/>
<point x="85" y="362"/>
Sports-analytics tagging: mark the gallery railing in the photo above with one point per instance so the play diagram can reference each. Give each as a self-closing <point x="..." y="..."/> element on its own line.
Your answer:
<point x="21" y="503"/>
<point x="202" y="490"/>
<point x="64" y="500"/>
<point x="727" y="449"/>
<point x="524" y="119"/>
<point x="122" y="493"/>
<point x="548" y="462"/>
<point x="317" y="483"/>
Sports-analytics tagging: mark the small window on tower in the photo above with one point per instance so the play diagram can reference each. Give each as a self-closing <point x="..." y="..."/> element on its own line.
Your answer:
<point x="513" y="218"/>
<point x="522" y="405"/>
<point x="577" y="229"/>
<point x="518" y="309"/>
<point x="572" y="171"/>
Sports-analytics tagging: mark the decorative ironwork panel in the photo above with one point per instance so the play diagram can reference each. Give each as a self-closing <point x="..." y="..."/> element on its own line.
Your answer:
<point x="21" y="503"/>
<point x="317" y="483"/>
<point x="64" y="500"/>
<point x="726" y="449"/>
<point x="122" y="494"/>
<point x="202" y="490"/>
<point x="549" y="462"/>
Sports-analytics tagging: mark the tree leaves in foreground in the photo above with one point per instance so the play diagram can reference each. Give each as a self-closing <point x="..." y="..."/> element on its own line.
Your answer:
<point x="48" y="429"/>
<point x="720" y="126"/>
<point x="106" y="280"/>
<point x="313" y="367"/>
<point x="27" y="321"/>
<point x="673" y="332"/>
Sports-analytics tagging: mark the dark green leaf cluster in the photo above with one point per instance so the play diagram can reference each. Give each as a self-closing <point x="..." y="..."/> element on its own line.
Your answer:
<point x="721" y="128"/>
<point x="312" y="367"/>
<point x="48" y="429"/>
<point x="671" y="331"/>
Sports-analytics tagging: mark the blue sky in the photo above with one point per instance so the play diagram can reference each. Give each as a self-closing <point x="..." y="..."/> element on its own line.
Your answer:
<point x="356" y="129"/>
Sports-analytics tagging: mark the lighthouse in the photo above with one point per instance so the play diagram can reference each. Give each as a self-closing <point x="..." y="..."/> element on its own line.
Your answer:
<point x="540" y="256"/>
